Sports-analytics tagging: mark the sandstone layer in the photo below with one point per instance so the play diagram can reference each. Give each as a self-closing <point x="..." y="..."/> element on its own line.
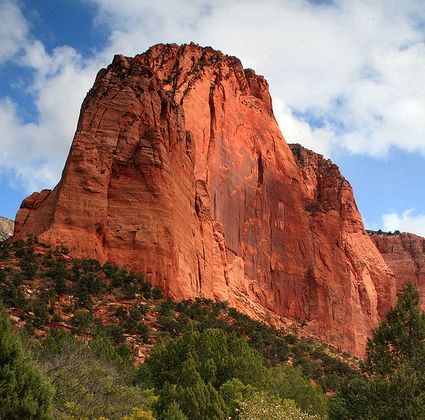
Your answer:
<point x="6" y="228"/>
<point x="404" y="253"/>
<point x="178" y="169"/>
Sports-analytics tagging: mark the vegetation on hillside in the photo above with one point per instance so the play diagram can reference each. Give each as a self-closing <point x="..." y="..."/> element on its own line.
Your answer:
<point x="24" y="391"/>
<point x="106" y="344"/>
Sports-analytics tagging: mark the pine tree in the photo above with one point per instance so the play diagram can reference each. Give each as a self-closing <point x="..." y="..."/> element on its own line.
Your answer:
<point x="173" y="412"/>
<point x="400" y="339"/>
<point x="24" y="392"/>
<point x="394" y="387"/>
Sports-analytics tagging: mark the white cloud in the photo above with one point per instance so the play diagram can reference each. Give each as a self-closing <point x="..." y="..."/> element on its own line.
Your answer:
<point x="347" y="75"/>
<point x="34" y="152"/>
<point x="299" y="131"/>
<point x="357" y="66"/>
<point x="405" y="222"/>
<point x="13" y="29"/>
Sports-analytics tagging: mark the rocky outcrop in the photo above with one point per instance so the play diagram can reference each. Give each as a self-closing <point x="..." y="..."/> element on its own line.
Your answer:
<point x="404" y="253"/>
<point x="6" y="228"/>
<point x="178" y="169"/>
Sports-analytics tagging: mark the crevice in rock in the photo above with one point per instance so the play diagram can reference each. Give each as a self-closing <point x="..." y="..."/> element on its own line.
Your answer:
<point x="212" y="120"/>
<point x="260" y="164"/>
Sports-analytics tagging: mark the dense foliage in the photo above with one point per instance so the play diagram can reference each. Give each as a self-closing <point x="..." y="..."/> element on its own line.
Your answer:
<point x="393" y="386"/>
<point x="210" y="374"/>
<point x="86" y="324"/>
<point x="91" y="379"/>
<point x="25" y="393"/>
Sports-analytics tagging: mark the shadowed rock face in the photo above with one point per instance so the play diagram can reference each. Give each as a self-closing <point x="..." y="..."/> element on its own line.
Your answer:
<point x="405" y="255"/>
<point x="178" y="169"/>
<point x="6" y="228"/>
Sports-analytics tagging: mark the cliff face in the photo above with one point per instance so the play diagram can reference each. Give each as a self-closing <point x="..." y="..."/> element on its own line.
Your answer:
<point x="127" y="194"/>
<point x="345" y="259"/>
<point x="212" y="203"/>
<point x="6" y="228"/>
<point x="405" y="255"/>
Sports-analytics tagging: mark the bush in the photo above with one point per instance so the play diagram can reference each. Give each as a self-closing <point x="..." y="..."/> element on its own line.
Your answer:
<point x="262" y="406"/>
<point x="115" y="332"/>
<point x="24" y="391"/>
<point x="143" y="330"/>
<point x="29" y="267"/>
<point x="289" y="384"/>
<point x="82" y="321"/>
<point x="92" y="381"/>
<point x="41" y="315"/>
<point x="157" y="292"/>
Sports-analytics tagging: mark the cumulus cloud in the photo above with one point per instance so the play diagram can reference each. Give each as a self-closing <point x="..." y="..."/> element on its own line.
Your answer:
<point x="297" y="130"/>
<point x="405" y="222"/>
<point x="351" y="72"/>
<point x="34" y="152"/>
<point x="346" y="75"/>
<point x="13" y="30"/>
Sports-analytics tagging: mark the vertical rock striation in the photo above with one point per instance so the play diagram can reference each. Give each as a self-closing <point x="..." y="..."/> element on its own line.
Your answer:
<point x="178" y="169"/>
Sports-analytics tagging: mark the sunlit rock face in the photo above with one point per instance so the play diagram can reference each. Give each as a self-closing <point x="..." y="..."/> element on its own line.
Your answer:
<point x="179" y="169"/>
<point x="6" y="228"/>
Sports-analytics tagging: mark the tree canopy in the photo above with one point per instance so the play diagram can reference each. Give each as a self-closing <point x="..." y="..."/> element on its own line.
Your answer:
<point x="393" y="386"/>
<point x="25" y="393"/>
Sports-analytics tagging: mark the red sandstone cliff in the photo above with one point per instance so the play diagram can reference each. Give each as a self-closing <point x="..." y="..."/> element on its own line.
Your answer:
<point x="212" y="202"/>
<point x="405" y="255"/>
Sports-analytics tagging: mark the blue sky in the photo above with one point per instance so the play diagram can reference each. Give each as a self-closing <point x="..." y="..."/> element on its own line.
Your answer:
<point x="347" y="79"/>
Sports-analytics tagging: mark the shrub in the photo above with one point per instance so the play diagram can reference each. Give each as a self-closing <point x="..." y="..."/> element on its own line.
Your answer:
<point x="82" y="321"/>
<point x="157" y="292"/>
<point x="24" y="391"/>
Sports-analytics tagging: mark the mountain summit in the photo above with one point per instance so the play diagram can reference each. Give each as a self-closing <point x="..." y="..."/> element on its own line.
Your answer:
<point x="178" y="169"/>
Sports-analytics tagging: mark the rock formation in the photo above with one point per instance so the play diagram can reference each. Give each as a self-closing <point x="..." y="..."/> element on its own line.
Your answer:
<point x="6" y="228"/>
<point x="178" y="169"/>
<point x="404" y="253"/>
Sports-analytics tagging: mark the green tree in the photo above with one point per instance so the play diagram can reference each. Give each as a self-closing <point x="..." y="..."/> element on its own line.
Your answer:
<point x="196" y="399"/>
<point x="290" y="384"/>
<point x="217" y="356"/>
<point x="24" y="391"/>
<point x="157" y="292"/>
<point x="233" y="392"/>
<point x="82" y="321"/>
<point x="173" y="412"/>
<point x="91" y="380"/>
<point x="394" y="387"/>
<point x="190" y="371"/>
<point x="400" y="339"/>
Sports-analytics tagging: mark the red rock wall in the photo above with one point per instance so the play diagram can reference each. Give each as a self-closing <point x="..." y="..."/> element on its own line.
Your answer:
<point x="405" y="255"/>
<point x="127" y="194"/>
<point x="225" y="210"/>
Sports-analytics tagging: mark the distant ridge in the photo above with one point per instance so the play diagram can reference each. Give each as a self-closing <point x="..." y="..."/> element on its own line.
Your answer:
<point x="6" y="228"/>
